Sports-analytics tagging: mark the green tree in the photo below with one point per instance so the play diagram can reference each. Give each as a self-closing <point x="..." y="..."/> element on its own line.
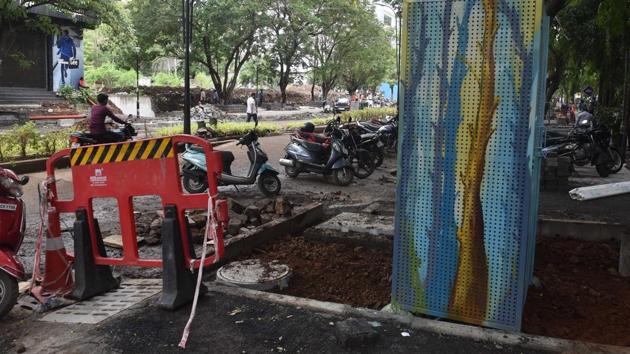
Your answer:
<point x="370" y="61"/>
<point x="225" y="34"/>
<point x="293" y="25"/>
<point x="337" y="44"/>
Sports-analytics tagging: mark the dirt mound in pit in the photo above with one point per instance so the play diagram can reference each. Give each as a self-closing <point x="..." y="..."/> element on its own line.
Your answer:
<point x="582" y="296"/>
<point x="333" y="272"/>
<point x="168" y="99"/>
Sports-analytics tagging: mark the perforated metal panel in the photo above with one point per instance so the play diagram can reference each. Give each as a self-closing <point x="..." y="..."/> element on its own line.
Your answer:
<point x="468" y="134"/>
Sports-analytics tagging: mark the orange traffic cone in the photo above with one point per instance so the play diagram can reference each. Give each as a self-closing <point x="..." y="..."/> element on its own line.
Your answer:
<point x="58" y="278"/>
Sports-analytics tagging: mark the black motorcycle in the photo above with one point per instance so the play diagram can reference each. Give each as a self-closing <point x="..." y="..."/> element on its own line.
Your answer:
<point x="387" y="131"/>
<point x="322" y="155"/>
<point x="588" y="144"/>
<point x="83" y="139"/>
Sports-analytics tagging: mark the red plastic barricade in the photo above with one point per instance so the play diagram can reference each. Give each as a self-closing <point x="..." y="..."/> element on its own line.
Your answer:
<point x="122" y="171"/>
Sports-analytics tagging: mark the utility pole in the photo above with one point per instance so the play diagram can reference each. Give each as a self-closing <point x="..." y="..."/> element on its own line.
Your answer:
<point x="137" y="83"/>
<point x="187" y="29"/>
<point x="625" y="112"/>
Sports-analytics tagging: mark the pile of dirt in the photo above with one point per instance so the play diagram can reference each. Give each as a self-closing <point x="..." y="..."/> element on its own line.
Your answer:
<point x="580" y="296"/>
<point x="169" y="99"/>
<point x="333" y="272"/>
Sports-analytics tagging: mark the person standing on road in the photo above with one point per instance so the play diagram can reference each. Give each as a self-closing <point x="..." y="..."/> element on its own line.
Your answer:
<point x="252" y="110"/>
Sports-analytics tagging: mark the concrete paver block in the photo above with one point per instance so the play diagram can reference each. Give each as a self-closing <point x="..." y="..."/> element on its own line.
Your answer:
<point x="101" y="307"/>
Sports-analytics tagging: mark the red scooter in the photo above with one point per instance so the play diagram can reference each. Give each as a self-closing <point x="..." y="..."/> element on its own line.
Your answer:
<point x="12" y="225"/>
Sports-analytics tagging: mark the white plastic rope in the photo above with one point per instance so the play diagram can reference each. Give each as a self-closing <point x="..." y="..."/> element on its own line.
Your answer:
<point x="211" y="231"/>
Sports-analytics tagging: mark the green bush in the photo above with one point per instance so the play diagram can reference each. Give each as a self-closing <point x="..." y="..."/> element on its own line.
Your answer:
<point x="109" y="75"/>
<point x="368" y="114"/>
<point x="24" y="136"/>
<point x="203" y="80"/>
<point x="52" y="142"/>
<point x="66" y="91"/>
<point x="227" y="129"/>
<point x="165" y="79"/>
<point x="75" y="96"/>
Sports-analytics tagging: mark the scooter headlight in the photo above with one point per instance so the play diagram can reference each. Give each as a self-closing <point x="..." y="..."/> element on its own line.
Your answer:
<point x="11" y="186"/>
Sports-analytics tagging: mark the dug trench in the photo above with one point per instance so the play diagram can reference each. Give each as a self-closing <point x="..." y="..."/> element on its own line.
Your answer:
<point x="578" y="293"/>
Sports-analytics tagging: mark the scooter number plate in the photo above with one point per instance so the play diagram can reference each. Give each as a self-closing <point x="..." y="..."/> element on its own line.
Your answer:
<point x="8" y="207"/>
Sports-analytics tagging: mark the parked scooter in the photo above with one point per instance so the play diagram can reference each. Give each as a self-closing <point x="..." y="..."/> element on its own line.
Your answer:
<point x="12" y="224"/>
<point x="82" y="138"/>
<point x="589" y="144"/>
<point x="195" y="171"/>
<point x="322" y="158"/>
<point x="363" y="160"/>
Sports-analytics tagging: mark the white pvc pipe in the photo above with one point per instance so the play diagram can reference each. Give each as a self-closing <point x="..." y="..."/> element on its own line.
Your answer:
<point x="600" y="191"/>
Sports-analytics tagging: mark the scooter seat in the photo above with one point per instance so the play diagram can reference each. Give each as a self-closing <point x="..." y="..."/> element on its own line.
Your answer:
<point x="369" y="126"/>
<point x="367" y="136"/>
<point x="314" y="147"/>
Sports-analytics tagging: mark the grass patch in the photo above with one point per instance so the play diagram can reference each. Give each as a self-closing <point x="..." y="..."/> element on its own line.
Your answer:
<point x="226" y="129"/>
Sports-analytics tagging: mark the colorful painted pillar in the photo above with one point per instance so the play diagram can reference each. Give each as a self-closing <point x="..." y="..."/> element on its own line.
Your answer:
<point x="470" y="132"/>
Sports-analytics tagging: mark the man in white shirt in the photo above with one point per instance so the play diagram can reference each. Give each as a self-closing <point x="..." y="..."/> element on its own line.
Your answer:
<point x="252" y="110"/>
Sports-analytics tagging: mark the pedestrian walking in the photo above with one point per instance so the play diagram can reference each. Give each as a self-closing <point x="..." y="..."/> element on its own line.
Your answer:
<point x="215" y="97"/>
<point x="252" y="110"/>
<point x="202" y="96"/>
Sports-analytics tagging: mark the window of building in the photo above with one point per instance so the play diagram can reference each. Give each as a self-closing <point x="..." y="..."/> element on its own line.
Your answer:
<point x="387" y="20"/>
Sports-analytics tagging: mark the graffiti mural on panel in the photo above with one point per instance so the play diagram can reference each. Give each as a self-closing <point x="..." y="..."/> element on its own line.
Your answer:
<point x="67" y="57"/>
<point x="469" y="102"/>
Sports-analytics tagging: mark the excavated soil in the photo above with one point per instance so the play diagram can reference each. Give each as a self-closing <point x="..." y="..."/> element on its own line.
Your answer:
<point x="333" y="272"/>
<point x="580" y="296"/>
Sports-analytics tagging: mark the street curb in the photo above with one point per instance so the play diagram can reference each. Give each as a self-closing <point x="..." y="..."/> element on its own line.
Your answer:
<point x="236" y="246"/>
<point x="534" y="342"/>
<point x="32" y="166"/>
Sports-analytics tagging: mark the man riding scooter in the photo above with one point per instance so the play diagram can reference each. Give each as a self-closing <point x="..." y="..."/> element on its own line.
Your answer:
<point x="98" y="130"/>
<point x="12" y="224"/>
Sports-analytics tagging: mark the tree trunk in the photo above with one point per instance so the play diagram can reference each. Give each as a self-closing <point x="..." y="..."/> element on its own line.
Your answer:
<point x="554" y="76"/>
<point x="313" y="92"/>
<point x="469" y="294"/>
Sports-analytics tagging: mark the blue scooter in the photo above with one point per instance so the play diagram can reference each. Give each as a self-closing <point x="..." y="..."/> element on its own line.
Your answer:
<point x="194" y="170"/>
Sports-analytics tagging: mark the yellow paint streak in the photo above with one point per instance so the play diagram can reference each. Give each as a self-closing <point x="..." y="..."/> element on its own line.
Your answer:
<point x="122" y="152"/>
<point x="135" y="150"/>
<point x="162" y="147"/>
<point x="148" y="149"/>
<point x="88" y="152"/>
<point x="99" y="152"/>
<point x="110" y="153"/>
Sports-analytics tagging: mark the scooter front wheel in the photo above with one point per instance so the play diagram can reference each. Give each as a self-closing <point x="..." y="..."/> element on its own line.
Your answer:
<point x="8" y="293"/>
<point x="269" y="184"/>
<point x="194" y="186"/>
<point x="343" y="176"/>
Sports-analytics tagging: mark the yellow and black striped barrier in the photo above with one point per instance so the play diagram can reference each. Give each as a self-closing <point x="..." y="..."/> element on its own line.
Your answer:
<point x="129" y="151"/>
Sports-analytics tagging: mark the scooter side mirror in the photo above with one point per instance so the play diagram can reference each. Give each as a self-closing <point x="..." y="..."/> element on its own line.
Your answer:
<point x="24" y="180"/>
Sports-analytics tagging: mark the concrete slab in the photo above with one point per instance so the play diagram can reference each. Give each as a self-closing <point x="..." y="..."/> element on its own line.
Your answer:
<point x="355" y="229"/>
<point x="101" y="307"/>
<point x="376" y="225"/>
